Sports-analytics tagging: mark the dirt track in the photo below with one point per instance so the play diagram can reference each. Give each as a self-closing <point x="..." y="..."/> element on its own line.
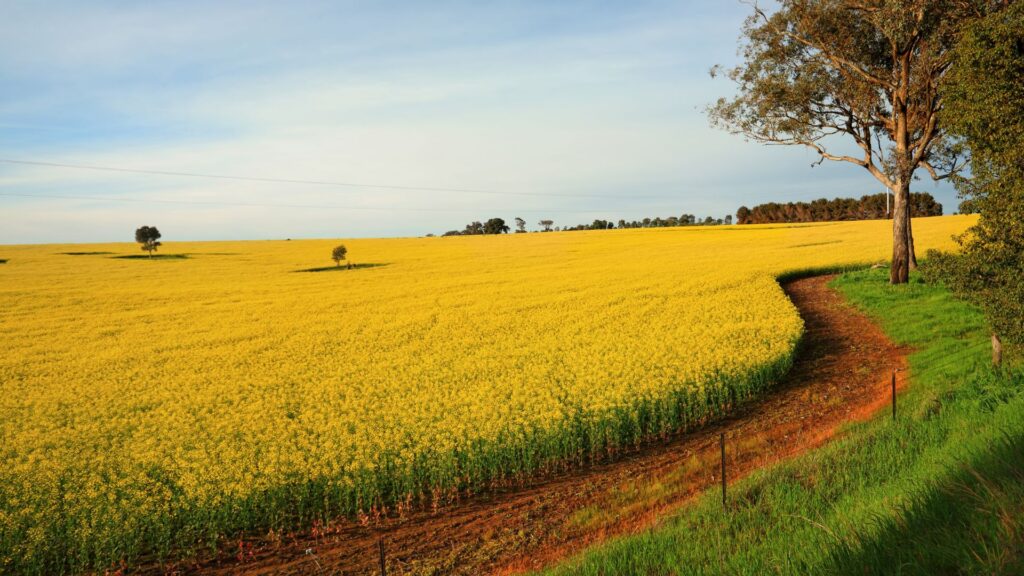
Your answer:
<point x="841" y="374"/>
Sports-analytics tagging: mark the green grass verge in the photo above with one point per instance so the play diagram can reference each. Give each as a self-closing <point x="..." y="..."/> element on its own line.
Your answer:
<point x="938" y="491"/>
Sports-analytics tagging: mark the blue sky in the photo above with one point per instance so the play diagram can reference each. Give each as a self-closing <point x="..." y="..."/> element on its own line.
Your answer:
<point x="593" y="109"/>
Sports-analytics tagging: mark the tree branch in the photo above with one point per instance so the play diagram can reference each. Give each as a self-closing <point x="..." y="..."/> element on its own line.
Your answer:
<point x="955" y="168"/>
<point x="839" y="61"/>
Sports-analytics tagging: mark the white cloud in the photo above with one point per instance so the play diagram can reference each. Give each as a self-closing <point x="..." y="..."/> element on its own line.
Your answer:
<point x="512" y="97"/>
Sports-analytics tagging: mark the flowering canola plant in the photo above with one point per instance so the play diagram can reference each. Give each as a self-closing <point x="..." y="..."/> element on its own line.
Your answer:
<point x="151" y="407"/>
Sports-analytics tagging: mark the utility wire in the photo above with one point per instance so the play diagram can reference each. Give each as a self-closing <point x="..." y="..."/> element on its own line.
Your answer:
<point x="307" y="182"/>
<point x="276" y="205"/>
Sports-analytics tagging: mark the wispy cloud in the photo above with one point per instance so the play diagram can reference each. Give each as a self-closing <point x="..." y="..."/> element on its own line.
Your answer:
<point x="573" y="97"/>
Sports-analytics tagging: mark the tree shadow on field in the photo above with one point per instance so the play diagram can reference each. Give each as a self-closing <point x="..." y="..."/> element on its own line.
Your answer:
<point x="154" y="257"/>
<point x="84" y="253"/>
<point x="344" y="268"/>
<point x="3" y="261"/>
<point x="815" y="244"/>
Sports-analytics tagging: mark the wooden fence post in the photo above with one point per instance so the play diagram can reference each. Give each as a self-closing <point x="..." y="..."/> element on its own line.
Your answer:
<point x="894" y="394"/>
<point x="721" y="441"/>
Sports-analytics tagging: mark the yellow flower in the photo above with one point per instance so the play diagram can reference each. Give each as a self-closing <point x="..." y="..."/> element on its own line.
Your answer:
<point x="152" y="404"/>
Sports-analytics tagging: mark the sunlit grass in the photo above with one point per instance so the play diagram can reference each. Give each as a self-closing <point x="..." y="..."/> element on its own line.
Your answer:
<point x="938" y="491"/>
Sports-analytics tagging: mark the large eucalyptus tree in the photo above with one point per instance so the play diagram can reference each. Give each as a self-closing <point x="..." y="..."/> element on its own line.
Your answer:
<point x="818" y="73"/>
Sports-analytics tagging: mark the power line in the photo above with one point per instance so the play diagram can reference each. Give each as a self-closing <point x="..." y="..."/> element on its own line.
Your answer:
<point x="306" y="182"/>
<point x="277" y="205"/>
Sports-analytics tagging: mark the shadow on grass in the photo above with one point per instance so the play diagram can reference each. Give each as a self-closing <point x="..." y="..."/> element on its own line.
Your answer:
<point x="3" y="261"/>
<point x="343" y="268"/>
<point x="969" y="523"/>
<point x="84" y="253"/>
<point x="154" y="257"/>
<point x="213" y="254"/>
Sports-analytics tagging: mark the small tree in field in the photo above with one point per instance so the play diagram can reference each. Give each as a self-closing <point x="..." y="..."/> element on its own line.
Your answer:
<point x="547" y="224"/>
<point x="520" y="225"/>
<point x="148" y="237"/>
<point x="338" y="254"/>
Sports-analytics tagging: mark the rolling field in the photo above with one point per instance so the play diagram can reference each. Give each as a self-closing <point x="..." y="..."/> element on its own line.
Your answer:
<point x="151" y="407"/>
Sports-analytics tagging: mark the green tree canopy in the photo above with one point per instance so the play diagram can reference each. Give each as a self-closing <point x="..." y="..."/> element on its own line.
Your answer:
<point x="338" y="254"/>
<point x="148" y="237"/>
<point x="985" y="106"/>
<point x="495" y="226"/>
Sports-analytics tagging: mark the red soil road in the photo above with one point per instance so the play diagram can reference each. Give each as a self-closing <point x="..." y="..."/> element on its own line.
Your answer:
<point x="841" y="374"/>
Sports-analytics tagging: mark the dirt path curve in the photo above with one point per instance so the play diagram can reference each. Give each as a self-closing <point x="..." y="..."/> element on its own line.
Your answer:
<point x="841" y="374"/>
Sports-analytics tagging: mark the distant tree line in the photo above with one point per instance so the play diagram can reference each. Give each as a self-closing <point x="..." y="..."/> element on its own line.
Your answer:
<point x="870" y="207"/>
<point x="498" y="226"/>
<point x="656" y="222"/>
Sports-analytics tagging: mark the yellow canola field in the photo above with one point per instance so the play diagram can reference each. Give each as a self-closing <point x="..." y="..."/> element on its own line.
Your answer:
<point x="147" y="406"/>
